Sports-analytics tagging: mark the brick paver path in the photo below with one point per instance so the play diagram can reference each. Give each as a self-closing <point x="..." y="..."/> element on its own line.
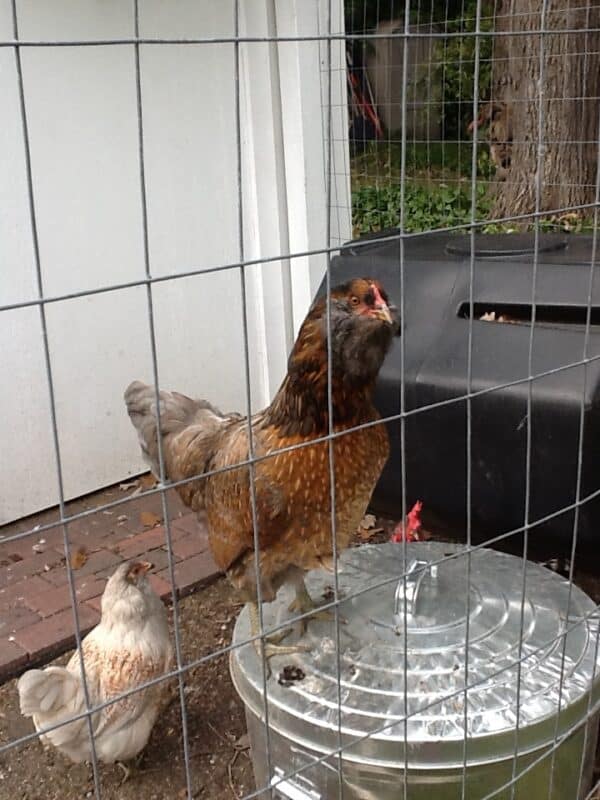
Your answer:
<point x="36" y="616"/>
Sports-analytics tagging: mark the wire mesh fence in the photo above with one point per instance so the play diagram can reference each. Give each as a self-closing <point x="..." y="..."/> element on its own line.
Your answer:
<point x="436" y="119"/>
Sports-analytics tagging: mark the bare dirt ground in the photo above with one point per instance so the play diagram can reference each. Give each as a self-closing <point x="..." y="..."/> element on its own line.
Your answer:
<point x="219" y="758"/>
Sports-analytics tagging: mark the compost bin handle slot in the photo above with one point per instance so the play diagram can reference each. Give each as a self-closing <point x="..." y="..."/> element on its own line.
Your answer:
<point x="562" y="314"/>
<point x="407" y="590"/>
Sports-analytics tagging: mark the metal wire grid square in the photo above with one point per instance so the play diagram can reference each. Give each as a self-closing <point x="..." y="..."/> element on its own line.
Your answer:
<point x="406" y="32"/>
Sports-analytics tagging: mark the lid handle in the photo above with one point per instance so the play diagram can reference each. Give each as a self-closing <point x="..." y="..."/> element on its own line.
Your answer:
<point x="291" y="789"/>
<point x="407" y="590"/>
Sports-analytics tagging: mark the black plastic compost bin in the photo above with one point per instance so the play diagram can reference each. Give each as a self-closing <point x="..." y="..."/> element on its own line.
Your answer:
<point x="436" y="312"/>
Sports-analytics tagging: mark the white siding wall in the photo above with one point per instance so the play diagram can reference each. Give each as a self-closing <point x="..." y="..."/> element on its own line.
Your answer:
<point x="81" y="106"/>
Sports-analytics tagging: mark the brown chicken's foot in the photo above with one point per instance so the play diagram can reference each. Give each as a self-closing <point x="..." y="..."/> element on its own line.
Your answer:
<point x="327" y="564"/>
<point x="272" y="646"/>
<point x="303" y="604"/>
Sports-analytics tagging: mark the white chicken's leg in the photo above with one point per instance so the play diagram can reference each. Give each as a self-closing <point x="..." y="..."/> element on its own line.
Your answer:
<point x="131" y="767"/>
<point x="125" y="770"/>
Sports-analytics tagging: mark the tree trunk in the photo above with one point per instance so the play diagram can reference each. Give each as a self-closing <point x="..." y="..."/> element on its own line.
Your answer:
<point x="569" y="105"/>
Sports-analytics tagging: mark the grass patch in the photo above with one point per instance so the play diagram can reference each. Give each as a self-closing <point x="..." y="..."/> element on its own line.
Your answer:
<point x="375" y="208"/>
<point x="437" y="190"/>
<point x="425" y="162"/>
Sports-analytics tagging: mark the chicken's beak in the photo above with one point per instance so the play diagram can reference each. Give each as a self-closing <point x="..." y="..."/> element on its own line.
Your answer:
<point x="382" y="311"/>
<point x="145" y="567"/>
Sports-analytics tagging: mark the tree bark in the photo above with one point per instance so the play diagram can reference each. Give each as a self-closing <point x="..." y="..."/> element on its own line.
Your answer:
<point x="568" y="103"/>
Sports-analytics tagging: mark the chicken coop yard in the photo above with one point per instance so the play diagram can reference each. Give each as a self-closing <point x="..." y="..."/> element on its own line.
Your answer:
<point x="221" y="766"/>
<point x="300" y="429"/>
<point x="220" y="760"/>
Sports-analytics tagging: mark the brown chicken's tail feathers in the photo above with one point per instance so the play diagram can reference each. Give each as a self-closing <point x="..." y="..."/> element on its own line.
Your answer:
<point x="177" y="412"/>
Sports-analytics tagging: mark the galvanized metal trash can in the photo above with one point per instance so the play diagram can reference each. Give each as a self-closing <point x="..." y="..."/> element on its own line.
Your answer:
<point x="381" y="668"/>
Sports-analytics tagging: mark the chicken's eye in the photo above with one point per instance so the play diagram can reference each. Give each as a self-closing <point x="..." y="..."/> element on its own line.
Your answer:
<point x="354" y="300"/>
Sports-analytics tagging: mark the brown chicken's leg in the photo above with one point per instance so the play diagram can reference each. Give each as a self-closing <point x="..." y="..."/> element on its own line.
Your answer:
<point x="272" y="646"/>
<point x="303" y="603"/>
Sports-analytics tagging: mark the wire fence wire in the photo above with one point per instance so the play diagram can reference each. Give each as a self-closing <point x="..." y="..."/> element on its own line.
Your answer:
<point x="440" y="68"/>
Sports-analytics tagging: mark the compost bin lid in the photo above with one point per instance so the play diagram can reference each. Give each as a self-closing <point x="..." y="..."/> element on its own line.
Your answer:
<point x="504" y="246"/>
<point x="374" y="651"/>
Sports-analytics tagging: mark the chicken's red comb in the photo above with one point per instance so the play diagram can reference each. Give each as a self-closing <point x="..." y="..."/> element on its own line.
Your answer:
<point x="413" y="517"/>
<point x="413" y="524"/>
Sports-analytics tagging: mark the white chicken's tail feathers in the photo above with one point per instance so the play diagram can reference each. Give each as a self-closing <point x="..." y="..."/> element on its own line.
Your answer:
<point x="47" y="691"/>
<point x="177" y="412"/>
<point x="50" y="696"/>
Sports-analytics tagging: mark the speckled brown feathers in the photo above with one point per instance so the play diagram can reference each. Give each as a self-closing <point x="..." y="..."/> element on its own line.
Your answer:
<point x="292" y="488"/>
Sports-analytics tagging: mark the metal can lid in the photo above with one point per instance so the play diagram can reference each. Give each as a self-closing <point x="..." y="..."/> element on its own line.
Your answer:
<point x="403" y="662"/>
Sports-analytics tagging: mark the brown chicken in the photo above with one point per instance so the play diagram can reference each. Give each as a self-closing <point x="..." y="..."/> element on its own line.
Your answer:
<point x="293" y="504"/>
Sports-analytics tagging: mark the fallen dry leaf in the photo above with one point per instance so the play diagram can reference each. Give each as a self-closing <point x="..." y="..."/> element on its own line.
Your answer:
<point x="78" y="558"/>
<point x="367" y="529"/>
<point x="125" y="487"/>
<point x="368" y="533"/>
<point x="149" y="519"/>
<point x="147" y="481"/>
<point x="368" y="521"/>
<point x="490" y="316"/>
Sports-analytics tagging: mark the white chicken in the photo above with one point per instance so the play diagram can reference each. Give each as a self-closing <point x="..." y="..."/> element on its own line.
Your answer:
<point x="129" y="646"/>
